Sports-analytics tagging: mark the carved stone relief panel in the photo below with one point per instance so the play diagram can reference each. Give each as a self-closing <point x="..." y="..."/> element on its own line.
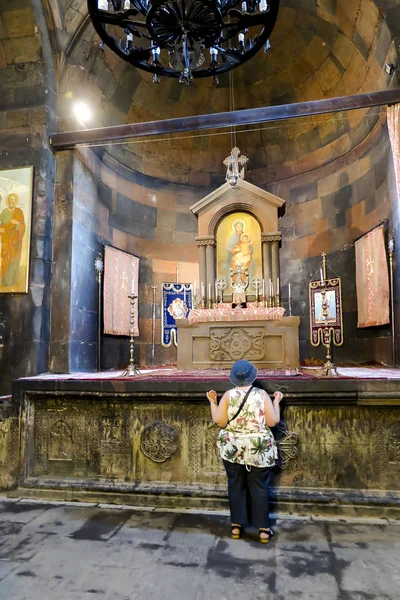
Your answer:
<point x="287" y="442"/>
<point x="60" y="443"/>
<point x="60" y="439"/>
<point x="204" y="462"/>
<point x="112" y="443"/>
<point x="159" y="441"/>
<point x="231" y="344"/>
<point x="9" y="452"/>
<point x="393" y="447"/>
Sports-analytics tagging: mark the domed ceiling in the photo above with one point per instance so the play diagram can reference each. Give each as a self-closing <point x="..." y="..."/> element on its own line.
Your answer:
<point x="318" y="50"/>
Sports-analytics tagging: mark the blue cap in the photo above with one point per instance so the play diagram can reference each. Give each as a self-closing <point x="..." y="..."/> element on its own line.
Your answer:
<point x="243" y="372"/>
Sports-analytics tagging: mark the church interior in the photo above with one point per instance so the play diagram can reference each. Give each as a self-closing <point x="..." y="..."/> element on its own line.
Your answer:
<point x="242" y="240"/>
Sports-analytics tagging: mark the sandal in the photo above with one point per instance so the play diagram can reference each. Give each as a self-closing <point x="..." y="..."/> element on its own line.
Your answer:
<point x="238" y="529"/>
<point x="268" y="531"/>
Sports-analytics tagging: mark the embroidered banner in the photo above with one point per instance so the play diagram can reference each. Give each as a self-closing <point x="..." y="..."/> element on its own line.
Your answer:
<point x="121" y="278"/>
<point x="176" y="304"/>
<point x="326" y="321"/>
<point x="372" y="279"/>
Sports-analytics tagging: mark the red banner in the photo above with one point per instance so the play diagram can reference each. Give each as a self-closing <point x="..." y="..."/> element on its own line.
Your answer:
<point x="121" y="279"/>
<point x="372" y="279"/>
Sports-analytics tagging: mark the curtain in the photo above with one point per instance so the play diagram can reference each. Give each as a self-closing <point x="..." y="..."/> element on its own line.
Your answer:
<point x="372" y="280"/>
<point x="121" y="278"/>
<point x="393" y="119"/>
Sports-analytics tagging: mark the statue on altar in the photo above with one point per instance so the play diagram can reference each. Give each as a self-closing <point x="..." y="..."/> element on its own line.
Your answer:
<point x="239" y="282"/>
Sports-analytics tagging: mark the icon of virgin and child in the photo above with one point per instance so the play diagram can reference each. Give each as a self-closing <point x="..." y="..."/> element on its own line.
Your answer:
<point x="238" y="247"/>
<point x="240" y="251"/>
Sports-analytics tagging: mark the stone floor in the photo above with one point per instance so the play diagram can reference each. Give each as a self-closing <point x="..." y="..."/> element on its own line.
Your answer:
<point x="74" y="552"/>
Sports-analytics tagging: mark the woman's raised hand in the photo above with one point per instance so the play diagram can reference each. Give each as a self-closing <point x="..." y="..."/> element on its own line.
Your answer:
<point x="278" y="396"/>
<point x="212" y="396"/>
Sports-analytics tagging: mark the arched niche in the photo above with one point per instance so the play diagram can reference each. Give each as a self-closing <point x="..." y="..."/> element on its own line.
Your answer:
<point x="243" y="198"/>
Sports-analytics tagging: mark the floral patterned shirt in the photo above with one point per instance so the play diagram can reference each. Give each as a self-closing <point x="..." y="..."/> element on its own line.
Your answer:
<point x="247" y="440"/>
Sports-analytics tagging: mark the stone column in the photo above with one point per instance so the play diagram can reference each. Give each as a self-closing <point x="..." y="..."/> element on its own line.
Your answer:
<point x="275" y="264"/>
<point x="270" y="243"/>
<point x="210" y="261"/>
<point x="207" y="262"/>
<point x="267" y="269"/>
<point x="202" y="263"/>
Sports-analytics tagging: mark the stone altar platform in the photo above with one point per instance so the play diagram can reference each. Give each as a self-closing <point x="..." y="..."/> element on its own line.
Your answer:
<point x="149" y="440"/>
<point x="218" y="344"/>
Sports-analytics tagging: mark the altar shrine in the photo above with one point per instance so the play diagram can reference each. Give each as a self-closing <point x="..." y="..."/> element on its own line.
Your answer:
<point x="237" y="315"/>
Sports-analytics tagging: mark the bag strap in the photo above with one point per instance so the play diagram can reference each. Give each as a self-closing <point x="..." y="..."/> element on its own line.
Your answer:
<point x="241" y="405"/>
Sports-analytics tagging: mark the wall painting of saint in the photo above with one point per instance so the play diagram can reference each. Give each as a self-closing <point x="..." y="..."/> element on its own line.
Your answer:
<point x="239" y="243"/>
<point x="16" y="186"/>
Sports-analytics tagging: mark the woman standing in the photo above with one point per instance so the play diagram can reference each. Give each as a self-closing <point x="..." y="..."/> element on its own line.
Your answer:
<point x="247" y="447"/>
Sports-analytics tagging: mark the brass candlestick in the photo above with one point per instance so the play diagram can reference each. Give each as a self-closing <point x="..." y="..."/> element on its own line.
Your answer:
<point x="132" y="369"/>
<point x="153" y="325"/>
<point x="256" y="283"/>
<point x="99" y="268"/>
<point x="221" y="286"/>
<point x="392" y="313"/>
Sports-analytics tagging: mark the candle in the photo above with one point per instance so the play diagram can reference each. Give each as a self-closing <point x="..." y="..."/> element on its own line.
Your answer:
<point x="203" y="291"/>
<point x="216" y="291"/>
<point x="272" y="288"/>
<point x="263" y="288"/>
<point x="290" y="294"/>
<point x="322" y="276"/>
<point x="209" y="290"/>
<point x="277" y="286"/>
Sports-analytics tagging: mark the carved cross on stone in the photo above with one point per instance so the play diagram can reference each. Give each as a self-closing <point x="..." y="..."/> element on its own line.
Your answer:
<point x="232" y="163"/>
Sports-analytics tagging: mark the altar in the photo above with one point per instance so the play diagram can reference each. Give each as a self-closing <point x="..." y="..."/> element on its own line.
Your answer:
<point x="216" y="338"/>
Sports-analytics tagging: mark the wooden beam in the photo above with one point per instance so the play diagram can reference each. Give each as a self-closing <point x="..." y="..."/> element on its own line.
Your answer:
<point x="70" y="139"/>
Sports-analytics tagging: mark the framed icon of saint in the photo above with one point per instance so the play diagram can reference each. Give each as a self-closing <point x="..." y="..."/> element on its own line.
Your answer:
<point x="16" y="192"/>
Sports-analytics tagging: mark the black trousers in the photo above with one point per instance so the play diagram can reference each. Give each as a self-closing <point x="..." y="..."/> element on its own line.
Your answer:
<point x="248" y="494"/>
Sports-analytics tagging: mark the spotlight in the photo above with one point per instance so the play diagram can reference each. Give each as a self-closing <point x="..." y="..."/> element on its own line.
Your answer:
<point x="389" y="68"/>
<point x="82" y="112"/>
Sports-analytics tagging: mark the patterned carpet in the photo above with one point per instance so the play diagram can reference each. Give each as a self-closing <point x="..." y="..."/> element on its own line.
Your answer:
<point x="173" y="374"/>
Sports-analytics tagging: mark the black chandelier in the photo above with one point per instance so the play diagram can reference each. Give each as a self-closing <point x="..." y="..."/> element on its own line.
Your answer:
<point x="185" y="38"/>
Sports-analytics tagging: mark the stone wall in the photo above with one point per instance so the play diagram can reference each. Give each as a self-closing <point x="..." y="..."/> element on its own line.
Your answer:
<point x="101" y="202"/>
<point x="27" y="116"/>
<point x="326" y="210"/>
